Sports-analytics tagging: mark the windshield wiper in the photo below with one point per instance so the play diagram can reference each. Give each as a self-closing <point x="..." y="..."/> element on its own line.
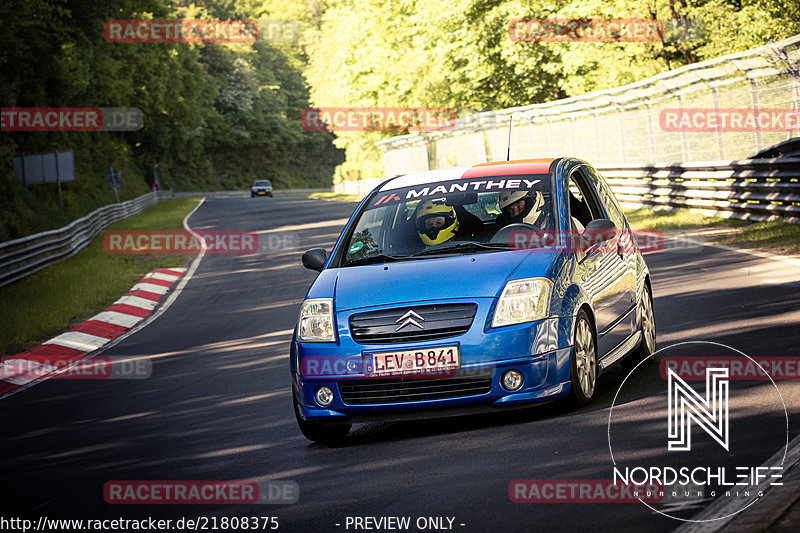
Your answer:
<point x="374" y="259"/>
<point x="463" y="247"/>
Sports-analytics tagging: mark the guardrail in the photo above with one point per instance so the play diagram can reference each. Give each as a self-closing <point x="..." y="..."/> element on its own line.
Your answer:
<point x="360" y="187"/>
<point x="751" y="189"/>
<point x="243" y="194"/>
<point x="24" y="256"/>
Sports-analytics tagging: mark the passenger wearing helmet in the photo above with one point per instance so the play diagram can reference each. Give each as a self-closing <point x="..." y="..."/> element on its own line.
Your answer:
<point x="521" y="207"/>
<point x="436" y="222"/>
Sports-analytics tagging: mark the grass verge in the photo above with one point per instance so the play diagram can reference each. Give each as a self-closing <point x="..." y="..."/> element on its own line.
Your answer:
<point x="336" y="196"/>
<point x="774" y="236"/>
<point x="52" y="300"/>
<point x="676" y="219"/>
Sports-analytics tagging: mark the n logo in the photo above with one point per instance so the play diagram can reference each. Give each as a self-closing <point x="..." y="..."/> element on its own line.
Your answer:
<point x="685" y="405"/>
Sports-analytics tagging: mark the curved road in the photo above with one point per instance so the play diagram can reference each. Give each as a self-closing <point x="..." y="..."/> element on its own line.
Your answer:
<point x="218" y="404"/>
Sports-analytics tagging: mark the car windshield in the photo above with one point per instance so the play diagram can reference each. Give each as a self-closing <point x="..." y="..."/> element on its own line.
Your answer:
<point x="449" y="217"/>
<point x="262" y="183"/>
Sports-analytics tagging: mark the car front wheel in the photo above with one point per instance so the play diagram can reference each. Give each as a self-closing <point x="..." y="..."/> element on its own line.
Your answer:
<point x="326" y="433"/>
<point x="583" y="372"/>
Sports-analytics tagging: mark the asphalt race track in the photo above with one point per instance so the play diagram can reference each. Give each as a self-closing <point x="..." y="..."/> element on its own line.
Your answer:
<point x="218" y="404"/>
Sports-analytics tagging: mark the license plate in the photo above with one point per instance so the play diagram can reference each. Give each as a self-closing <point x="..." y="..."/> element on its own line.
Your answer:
<point x="409" y="362"/>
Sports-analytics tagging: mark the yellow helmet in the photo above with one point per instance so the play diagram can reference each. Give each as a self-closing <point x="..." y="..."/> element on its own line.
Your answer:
<point x="437" y="231"/>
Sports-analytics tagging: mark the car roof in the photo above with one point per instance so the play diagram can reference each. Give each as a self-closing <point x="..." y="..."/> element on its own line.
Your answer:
<point x="497" y="168"/>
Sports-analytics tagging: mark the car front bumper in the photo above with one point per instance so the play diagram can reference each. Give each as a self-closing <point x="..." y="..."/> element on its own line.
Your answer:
<point x="495" y="399"/>
<point x="539" y="350"/>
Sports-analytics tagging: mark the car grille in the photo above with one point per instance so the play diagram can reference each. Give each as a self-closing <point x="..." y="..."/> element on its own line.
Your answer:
<point x="438" y="322"/>
<point x="374" y="391"/>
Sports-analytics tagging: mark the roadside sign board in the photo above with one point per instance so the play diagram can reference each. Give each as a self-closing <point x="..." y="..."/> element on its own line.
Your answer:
<point x="51" y="167"/>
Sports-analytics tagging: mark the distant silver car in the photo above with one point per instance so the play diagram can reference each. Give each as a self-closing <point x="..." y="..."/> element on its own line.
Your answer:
<point x="261" y="188"/>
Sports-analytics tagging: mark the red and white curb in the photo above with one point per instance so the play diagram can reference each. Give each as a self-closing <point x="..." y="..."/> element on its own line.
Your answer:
<point x="124" y="314"/>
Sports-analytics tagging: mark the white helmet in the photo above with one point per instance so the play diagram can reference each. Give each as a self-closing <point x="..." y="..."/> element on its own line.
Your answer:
<point x="505" y="199"/>
<point x="534" y="203"/>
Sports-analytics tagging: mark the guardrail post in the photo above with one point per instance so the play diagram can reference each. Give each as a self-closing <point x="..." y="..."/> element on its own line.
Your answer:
<point x="650" y="133"/>
<point x="754" y="104"/>
<point x="720" y="138"/>
<point x="621" y="133"/>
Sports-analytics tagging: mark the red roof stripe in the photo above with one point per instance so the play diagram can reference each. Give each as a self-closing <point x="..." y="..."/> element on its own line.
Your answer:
<point x="509" y="168"/>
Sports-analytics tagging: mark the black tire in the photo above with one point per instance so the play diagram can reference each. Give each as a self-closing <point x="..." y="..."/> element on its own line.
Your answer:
<point x="647" y="346"/>
<point x="252" y="195"/>
<point x="270" y="195"/>
<point x="583" y="362"/>
<point x="326" y="433"/>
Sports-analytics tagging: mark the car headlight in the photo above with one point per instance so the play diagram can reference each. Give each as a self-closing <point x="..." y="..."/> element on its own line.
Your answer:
<point x="523" y="300"/>
<point x="316" y="321"/>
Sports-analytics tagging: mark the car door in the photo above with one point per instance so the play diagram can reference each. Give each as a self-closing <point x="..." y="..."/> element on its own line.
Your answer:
<point x="602" y="269"/>
<point x="624" y="241"/>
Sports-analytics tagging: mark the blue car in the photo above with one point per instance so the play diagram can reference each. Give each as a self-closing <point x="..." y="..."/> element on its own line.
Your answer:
<point x="469" y="289"/>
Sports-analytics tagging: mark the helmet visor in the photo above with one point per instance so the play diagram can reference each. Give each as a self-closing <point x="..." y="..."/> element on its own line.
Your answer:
<point x="431" y="224"/>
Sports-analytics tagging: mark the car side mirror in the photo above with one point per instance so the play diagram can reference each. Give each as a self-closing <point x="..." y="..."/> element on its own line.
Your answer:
<point x="598" y="231"/>
<point x="314" y="259"/>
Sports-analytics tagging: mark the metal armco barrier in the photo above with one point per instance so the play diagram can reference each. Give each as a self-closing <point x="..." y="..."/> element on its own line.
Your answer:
<point x="753" y="189"/>
<point x="24" y="256"/>
<point x="359" y="187"/>
<point x="244" y="193"/>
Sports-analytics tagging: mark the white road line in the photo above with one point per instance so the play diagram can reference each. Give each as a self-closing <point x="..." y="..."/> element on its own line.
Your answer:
<point x="135" y="301"/>
<point x="175" y="293"/>
<point x="118" y="319"/>
<point x="128" y="299"/>
<point x="149" y="287"/>
<point x="78" y="340"/>
<point x="755" y="253"/>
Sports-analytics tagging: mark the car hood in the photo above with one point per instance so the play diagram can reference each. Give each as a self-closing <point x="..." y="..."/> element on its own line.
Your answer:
<point x="465" y="276"/>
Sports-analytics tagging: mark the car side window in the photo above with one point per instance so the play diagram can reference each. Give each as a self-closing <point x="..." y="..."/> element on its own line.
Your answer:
<point x="612" y="207"/>
<point x="583" y="204"/>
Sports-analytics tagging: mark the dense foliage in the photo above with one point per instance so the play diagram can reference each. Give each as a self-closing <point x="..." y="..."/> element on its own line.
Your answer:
<point x="216" y="116"/>
<point x="220" y="115"/>
<point x="458" y="53"/>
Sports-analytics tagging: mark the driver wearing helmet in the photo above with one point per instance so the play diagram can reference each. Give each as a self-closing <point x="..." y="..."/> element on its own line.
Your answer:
<point x="436" y="222"/>
<point x="521" y="207"/>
